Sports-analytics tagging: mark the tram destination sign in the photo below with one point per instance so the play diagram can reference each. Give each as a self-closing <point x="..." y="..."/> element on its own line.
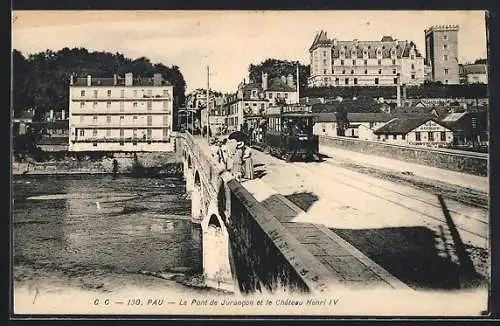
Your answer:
<point x="297" y="109"/>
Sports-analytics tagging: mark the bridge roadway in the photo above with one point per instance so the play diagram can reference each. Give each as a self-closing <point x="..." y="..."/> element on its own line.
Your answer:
<point x="368" y="223"/>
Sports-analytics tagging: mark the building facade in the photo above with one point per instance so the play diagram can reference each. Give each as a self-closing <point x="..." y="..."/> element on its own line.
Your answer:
<point x="364" y="63"/>
<point x="120" y="114"/>
<point x="474" y="74"/>
<point x="252" y="100"/>
<point x="415" y="131"/>
<point x="361" y="125"/>
<point x="441" y="49"/>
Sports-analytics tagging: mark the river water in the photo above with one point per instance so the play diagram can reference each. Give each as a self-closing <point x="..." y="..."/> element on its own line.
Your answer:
<point x="102" y="233"/>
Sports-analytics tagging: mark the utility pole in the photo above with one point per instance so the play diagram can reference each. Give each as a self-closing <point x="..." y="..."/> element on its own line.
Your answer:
<point x="298" y="95"/>
<point x="208" y="108"/>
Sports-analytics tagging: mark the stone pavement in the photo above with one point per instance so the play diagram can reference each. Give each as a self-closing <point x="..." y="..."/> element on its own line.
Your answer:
<point x="347" y="265"/>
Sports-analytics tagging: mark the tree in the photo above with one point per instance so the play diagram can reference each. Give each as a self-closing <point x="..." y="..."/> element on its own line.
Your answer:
<point x="276" y="68"/>
<point x="41" y="80"/>
<point x="342" y="121"/>
<point x="22" y="82"/>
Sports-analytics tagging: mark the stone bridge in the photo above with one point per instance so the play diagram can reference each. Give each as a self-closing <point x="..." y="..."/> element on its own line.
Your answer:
<point x="244" y="246"/>
<point x="247" y="244"/>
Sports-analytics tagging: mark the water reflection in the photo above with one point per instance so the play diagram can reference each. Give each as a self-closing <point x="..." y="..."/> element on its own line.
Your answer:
<point x="121" y="225"/>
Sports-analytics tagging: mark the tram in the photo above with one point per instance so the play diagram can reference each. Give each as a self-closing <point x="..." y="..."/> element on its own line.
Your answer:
<point x="288" y="133"/>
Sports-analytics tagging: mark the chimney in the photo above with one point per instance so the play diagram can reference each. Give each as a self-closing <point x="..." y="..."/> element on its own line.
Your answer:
<point x="115" y="79"/>
<point x="63" y="115"/>
<point x="289" y="80"/>
<point x="51" y="116"/>
<point x="89" y="80"/>
<point x="398" y="92"/>
<point x="129" y="79"/>
<point x="157" y="78"/>
<point x="264" y="80"/>
<point x="71" y="80"/>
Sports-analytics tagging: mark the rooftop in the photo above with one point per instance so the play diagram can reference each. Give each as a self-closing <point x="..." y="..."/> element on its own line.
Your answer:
<point x="25" y="115"/>
<point x="453" y="117"/>
<point x="120" y="81"/>
<point x="478" y="68"/>
<point x="402" y="125"/>
<point x="355" y="117"/>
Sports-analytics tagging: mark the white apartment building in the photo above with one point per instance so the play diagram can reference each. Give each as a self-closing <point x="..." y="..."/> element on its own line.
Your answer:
<point x="364" y="63"/>
<point x="120" y="114"/>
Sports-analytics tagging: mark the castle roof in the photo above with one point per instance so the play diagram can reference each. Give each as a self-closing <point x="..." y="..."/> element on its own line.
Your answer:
<point x="402" y="48"/>
<point x="320" y="38"/>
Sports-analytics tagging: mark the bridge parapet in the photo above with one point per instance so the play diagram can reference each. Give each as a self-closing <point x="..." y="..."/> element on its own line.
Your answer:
<point x="241" y="237"/>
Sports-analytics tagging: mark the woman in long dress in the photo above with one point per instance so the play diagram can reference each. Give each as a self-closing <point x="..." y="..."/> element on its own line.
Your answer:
<point x="248" y="163"/>
<point x="238" y="161"/>
<point x="229" y="148"/>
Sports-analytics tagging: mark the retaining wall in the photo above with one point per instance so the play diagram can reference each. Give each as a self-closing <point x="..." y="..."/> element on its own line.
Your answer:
<point x="473" y="163"/>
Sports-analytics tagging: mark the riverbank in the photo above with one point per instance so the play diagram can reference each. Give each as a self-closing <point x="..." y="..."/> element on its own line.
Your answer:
<point x="143" y="164"/>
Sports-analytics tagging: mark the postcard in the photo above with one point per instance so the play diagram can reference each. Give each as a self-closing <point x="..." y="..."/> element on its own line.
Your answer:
<point x="250" y="163"/>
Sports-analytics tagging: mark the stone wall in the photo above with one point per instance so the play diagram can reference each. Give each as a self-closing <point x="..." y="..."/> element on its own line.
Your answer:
<point x="473" y="163"/>
<point x="266" y="256"/>
<point x="165" y="163"/>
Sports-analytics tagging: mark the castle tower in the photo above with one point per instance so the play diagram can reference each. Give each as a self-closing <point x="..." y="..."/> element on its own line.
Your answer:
<point x="441" y="49"/>
<point x="321" y="59"/>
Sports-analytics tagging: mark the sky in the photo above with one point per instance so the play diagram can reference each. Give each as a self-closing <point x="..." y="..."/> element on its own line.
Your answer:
<point x="229" y="41"/>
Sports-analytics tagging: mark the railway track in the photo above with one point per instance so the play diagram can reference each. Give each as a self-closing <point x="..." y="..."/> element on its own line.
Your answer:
<point x="411" y="200"/>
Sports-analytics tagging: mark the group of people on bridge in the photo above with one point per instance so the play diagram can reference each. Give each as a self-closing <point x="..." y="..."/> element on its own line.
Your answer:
<point x="234" y="156"/>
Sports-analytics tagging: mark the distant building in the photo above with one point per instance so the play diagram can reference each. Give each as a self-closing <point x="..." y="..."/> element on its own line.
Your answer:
<point x="415" y="131"/>
<point x="468" y="127"/>
<point x="54" y="135"/>
<point x="364" y="63"/>
<point x="441" y="49"/>
<point x="361" y="125"/>
<point x="252" y="99"/>
<point x="474" y="74"/>
<point x="21" y="122"/>
<point x="120" y="114"/>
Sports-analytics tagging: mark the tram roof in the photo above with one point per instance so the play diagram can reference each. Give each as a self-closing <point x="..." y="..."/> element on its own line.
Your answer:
<point x="290" y="110"/>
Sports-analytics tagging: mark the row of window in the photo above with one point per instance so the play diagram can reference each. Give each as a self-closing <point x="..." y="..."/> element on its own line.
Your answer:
<point x="394" y="71"/>
<point x="365" y="52"/>
<point x="418" y="136"/>
<point x="233" y="121"/>
<point x="149" y="119"/>
<point x="355" y="80"/>
<point x="149" y="105"/>
<point x="135" y="93"/>
<point x="365" y="62"/>
<point x="108" y="132"/>
<point x="379" y="72"/>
